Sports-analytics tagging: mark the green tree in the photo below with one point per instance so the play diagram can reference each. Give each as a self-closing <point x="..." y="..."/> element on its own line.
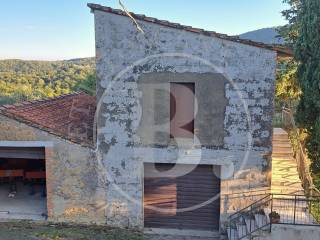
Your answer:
<point x="307" y="52"/>
<point x="287" y="87"/>
<point x="88" y="85"/>
<point x="290" y="31"/>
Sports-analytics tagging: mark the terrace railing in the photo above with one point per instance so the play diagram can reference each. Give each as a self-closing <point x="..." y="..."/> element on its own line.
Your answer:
<point x="288" y="123"/>
<point x="259" y="217"/>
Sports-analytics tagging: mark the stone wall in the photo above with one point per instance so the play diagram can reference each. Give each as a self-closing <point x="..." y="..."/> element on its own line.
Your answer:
<point x="125" y="56"/>
<point x="292" y="232"/>
<point x="71" y="174"/>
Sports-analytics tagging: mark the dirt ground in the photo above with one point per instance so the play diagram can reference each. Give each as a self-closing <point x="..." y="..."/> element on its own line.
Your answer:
<point x="37" y="231"/>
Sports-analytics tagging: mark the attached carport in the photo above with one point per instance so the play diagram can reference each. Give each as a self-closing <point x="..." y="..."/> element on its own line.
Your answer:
<point x="23" y="180"/>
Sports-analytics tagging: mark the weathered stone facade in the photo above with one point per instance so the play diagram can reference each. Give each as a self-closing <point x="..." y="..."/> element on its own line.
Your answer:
<point x="71" y="174"/>
<point x="131" y="132"/>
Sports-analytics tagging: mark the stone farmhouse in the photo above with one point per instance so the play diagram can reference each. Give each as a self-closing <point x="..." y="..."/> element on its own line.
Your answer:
<point x="178" y="137"/>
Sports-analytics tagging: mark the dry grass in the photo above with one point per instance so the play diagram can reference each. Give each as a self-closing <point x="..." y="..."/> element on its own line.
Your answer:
<point x="37" y="231"/>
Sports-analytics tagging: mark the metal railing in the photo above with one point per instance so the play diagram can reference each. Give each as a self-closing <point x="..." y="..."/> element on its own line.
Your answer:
<point x="274" y="209"/>
<point x="281" y="208"/>
<point x="295" y="209"/>
<point x="288" y="123"/>
<point x="250" y="220"/>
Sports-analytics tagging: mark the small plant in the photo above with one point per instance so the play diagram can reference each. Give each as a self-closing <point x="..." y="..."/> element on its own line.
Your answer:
<point x="274" y="217"/>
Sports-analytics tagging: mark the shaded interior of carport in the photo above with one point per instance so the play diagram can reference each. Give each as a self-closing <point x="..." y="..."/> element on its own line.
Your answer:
<point x="23" y="183"/>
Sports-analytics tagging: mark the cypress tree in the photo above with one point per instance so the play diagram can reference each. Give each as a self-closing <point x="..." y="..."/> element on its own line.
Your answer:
<point x="307" y="52"/>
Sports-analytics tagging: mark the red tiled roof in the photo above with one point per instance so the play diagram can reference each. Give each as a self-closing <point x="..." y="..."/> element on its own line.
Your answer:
<point x="68" y="116"/>
<point x="280" y="49"/>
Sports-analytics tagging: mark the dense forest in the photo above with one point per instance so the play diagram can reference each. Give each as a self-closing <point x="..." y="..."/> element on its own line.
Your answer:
<point x="28" y="80"/>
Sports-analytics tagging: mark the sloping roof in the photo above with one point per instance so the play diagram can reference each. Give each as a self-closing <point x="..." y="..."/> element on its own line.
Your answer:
<point x="281" y="50"/>
<point x="68" y="116"/>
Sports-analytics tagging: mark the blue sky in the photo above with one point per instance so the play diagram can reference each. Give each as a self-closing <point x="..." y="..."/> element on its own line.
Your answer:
<point x="64" y="29"/>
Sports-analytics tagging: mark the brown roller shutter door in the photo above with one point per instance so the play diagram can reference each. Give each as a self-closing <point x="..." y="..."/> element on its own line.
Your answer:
<point x="170" y="193"/>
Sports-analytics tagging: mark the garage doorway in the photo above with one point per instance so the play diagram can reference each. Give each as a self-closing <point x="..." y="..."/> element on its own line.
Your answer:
<point x="23" y="183"/>
<point x="170" y="193"/>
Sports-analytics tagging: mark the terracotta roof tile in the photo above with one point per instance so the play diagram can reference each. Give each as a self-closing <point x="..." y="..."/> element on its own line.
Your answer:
<point x="281" y="50"/>
<point x="68" y="116"/>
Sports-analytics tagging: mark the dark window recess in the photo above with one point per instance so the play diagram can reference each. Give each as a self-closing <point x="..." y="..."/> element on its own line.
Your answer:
<point x="182" y="110"/>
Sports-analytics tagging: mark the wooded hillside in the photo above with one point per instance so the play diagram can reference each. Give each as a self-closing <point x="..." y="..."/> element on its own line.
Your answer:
<point x="27" y="80"/>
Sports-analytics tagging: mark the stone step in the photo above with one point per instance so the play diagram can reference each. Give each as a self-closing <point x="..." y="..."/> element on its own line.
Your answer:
<point x="286" y="183"/>
<point x="250" y="224"/>
<point x="283" y="152"/>
<point x="285" y="180"/>
<point x="282" y="144"/>
<point x="287" y="167"/>
<point x="283" y="159"/>
<point x="286" y="158"/>
<point x="282" y="156"/>
<point x="287" y="151"/>
<point x="286" y="176"/>
<point x="242" y="231"/>
<point x="284" y="163"/>
<point x="283" y="174"/>
<point x="232" y="234"/>
<point x="284" y="171"/>
<point x="288" y="189"/>
<point x="280" y="140"/>
<point x="261" y="220"/>
<point x="279" y="131"/>
<point x="285" y="189"/>
<point x="289" y="183"/>
<point x="276" y="150"/>
<point x="281" y="148"/>
<point x="280" y="134"/>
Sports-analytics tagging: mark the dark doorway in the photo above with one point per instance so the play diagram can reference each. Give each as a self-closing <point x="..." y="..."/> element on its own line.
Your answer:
<point x="23" y="183"/>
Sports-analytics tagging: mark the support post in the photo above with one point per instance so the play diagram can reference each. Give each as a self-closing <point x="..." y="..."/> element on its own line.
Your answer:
<point x="270" y="218"/>
<point x="295" y="207"/>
